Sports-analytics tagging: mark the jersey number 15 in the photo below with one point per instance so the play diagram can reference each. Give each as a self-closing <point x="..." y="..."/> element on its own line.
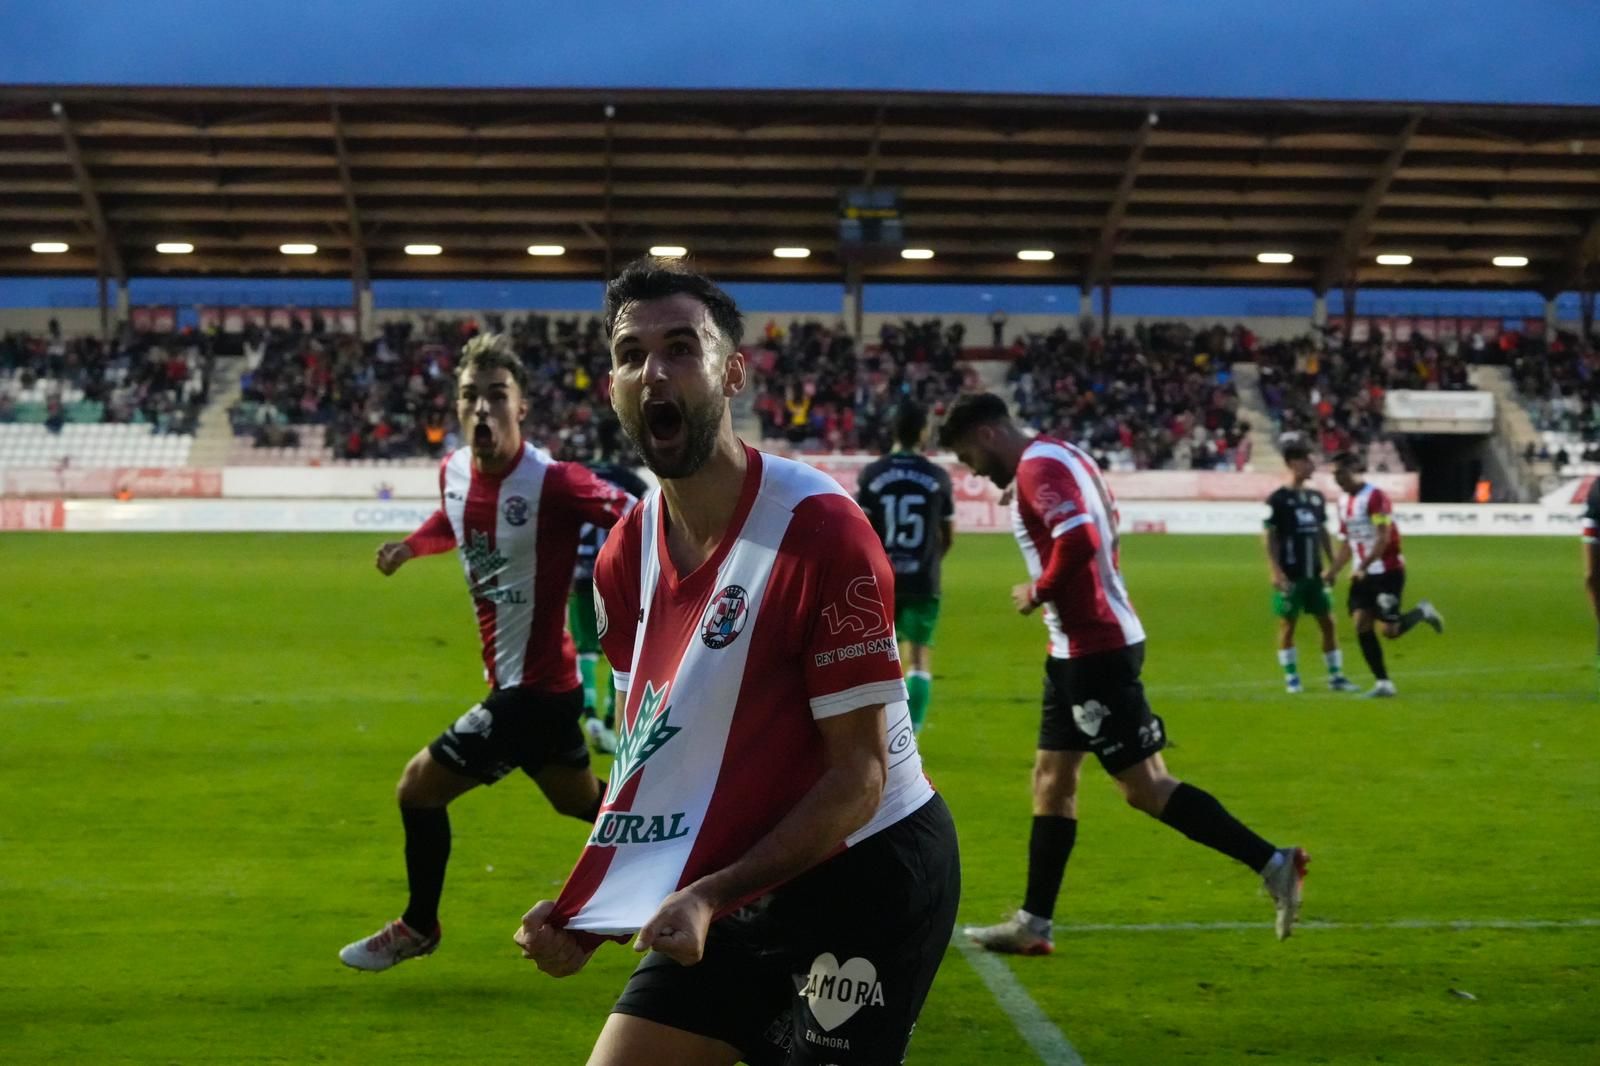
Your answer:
<point x="903" y="523"/>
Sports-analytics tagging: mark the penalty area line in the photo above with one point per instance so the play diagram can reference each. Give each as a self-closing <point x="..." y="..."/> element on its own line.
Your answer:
<point x="1035" y="1027"/>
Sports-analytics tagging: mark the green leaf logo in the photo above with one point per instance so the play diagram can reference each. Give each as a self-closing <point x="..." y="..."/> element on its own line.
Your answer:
<point x="647" y="735"/>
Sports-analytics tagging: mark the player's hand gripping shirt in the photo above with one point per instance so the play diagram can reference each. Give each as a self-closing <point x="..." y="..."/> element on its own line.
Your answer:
<point x="518" y="537"/>
<point x="725" y="671"/>
<point x="1065" y="521"/>
<point x="1361" y="514"/>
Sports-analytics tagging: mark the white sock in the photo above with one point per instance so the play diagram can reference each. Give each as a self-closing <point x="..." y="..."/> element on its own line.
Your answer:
<point x="920" y="673"/>
<point x="1335" y="661"/>
<point x="1286" y="657"/>
<point x="1040" y="926"/>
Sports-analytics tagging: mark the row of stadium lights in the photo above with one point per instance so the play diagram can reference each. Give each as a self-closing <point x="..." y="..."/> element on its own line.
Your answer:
<point x="674" y="251"/>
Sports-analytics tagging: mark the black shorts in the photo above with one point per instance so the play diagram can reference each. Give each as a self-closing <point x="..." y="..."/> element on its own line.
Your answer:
<point x="1378" y="595"/>
<point x="831" y="968"/>
<point x="515" y="728"/>
<point x="1097" y="704"/>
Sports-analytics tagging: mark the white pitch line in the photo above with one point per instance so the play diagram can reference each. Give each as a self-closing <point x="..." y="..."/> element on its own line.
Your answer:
<point x="1461" y="926"/>
<point x="1041" y="1034"/>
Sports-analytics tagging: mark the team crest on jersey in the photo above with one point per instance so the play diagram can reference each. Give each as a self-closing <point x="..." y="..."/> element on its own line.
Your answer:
<point x="724" y="619"/>
<point x="516" y="510"/>
<point x="600" y="621"/>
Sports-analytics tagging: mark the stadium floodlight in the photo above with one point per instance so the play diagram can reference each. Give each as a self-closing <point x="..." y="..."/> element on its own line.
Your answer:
<point x="547" y="249"/>
<point x="668" y="251"/>
<point x="174" y="247"/>
<point x="1510" y="260"/>
<point x="792" y="253"/>
<point x="1394" y="260"/>
<point x="298" y="249"/>
<point x="1036" y="255"/>
<point x="916" y="253"/>
<point x="49" y="247"/>
<point x="423" y="249"/>
<point x="1274" y="257"/>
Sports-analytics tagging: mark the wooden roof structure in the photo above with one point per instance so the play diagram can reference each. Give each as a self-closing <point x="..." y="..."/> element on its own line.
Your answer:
<point x="1122" y="189"/>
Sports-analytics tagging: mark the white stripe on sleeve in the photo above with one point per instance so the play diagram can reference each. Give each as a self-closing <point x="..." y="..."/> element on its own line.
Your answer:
<point x="861" y="696"/>
<point x="1071" y="524"/>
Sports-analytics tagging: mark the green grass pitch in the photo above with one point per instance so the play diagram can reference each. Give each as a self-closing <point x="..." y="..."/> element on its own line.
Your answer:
<point x="202" y="735"/>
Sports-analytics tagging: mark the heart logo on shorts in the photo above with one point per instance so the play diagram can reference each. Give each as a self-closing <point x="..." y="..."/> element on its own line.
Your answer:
<point x="1090" y="715"/>
<point x="835" y="993"/>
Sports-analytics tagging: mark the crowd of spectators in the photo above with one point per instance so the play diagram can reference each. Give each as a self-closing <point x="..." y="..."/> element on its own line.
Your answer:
<point x="1559" y="380"/>
<point x="393" y="397"/>
<point x="1158" y="396"/>
<point x="815" y="388"/>
<point x="157" y="380"/>
<point x="1332" y="393"/>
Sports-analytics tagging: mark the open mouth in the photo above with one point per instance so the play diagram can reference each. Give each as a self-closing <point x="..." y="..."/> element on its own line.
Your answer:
<point x="664" y="420"/>
<point x="482" y="435"/>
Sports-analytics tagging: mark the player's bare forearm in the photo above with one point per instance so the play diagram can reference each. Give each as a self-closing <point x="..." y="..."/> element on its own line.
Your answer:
<point x="842" y="801"/>
<point x="1273" y="569"/>
<point x="1340" y="558"/>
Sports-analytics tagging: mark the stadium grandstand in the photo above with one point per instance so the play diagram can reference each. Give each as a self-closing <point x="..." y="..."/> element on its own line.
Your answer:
<point x="849" y="188"/>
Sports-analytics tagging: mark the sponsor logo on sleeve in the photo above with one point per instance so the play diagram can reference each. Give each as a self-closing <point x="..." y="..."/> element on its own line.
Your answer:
<point x="600" y="621"/>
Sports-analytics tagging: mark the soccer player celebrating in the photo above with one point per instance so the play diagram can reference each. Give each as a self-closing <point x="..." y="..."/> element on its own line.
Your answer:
<point x="910" y="504"/>
<point x="767" y="830"/>
<point x="1297" y="543"/>
<point x="515" y="516"/>
<point x="1065" y="521"/>
<point x="1372" y="538"/>
<point x="598" y="722"/>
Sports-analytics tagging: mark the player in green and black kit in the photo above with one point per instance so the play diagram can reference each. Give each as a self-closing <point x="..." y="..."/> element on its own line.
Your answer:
<point x="1297" y="545"/>
<point x="599" y="722"/>
<point x="910" y="503"/>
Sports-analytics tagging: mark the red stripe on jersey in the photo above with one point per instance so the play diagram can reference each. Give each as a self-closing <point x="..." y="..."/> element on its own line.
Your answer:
<point x="732" y="826"/>
<point x="479" y="519"/>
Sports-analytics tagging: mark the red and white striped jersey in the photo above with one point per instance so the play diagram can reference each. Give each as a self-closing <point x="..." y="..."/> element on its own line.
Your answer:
<point x="726" y="671"/>
<point x="1065" y="521"/>
<point x="518" y="538"/>
<point x="1360" y="514"/>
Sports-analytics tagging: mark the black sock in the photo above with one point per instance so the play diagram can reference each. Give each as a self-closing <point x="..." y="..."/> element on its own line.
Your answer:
<point x="1049" y="847"/>
<point x="1196" y="814"/>
<point x="1372" y="651"/>
<point x="1409" y="620"/>
<point x="427" y="854"/>
<point x="599" y="799"/>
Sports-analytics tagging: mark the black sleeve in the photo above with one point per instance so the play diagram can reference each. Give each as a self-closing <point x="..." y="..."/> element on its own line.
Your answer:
<point x="869" y="499"/>
<point x="947" y="509"/>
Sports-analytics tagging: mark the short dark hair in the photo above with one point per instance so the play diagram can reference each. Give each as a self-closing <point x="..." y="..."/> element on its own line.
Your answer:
<point x="1351" y="459"/>
<point x="653" y="278"/>
<point x="970" y="411"/>
<point x="910" y="419"/>
<point x="1296" y="449"/>
<point x="493" y="351"/>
